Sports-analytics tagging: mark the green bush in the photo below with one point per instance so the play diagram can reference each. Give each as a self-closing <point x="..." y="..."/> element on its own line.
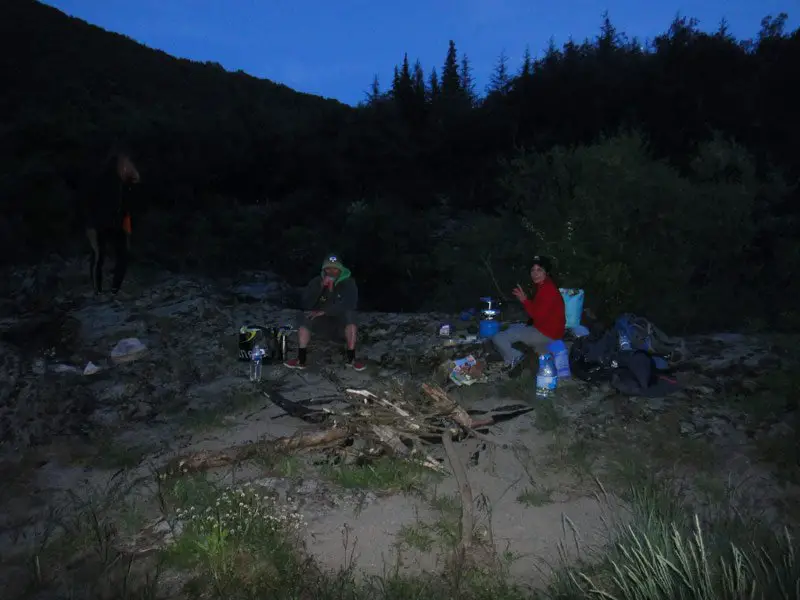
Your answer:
<point x="220" y="240"/>
<point x="704" y="246"/>
<point x="389" y="246"/>
<point x="484" y="255"/>
<point x="635" y="232"/>
<point x="638" y="234"/>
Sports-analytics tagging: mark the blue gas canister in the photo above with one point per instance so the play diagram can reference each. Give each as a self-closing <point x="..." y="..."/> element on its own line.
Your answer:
<point x="489" y="324"/>
<point x="488" y="329"/>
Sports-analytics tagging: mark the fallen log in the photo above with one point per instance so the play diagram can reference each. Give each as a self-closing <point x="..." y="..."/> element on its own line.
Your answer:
<point x="463" y="418"/>
<point x="388" y="437"/>
<point x="213" y="459"/>
<point x="400" y="427"/>
<point x="296" y="409"/>
<point x="446" y="405"/>
<point x="391" y="407"/>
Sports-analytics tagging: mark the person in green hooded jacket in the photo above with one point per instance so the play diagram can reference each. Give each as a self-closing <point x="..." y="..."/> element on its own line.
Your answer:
<point x="330" y="299"/>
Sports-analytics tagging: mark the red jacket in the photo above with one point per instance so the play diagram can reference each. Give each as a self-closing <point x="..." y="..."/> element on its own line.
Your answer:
<point x="547" y="310"/>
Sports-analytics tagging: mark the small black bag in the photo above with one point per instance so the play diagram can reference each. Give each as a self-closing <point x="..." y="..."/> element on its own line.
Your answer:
<point x="638" y="375"/>
<point x="593" y="358"/>
<point x="280" y="343"/>
<point x="597" y="358"/>
<point x="274" y="341"/>
<point x="249" y="337"/>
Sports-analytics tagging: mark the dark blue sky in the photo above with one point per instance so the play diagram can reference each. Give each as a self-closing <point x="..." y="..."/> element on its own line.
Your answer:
<point x="334" y="48"/>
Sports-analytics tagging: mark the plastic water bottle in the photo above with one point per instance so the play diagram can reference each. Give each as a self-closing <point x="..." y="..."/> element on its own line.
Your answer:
<point x="624" y="341"/>
<point x="255" y="363"/>
<point x="560" y="358"/>
<point x="546" y="378"/>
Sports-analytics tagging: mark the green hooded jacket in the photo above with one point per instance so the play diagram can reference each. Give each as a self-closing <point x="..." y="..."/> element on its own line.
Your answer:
<point x="335" y="303"/>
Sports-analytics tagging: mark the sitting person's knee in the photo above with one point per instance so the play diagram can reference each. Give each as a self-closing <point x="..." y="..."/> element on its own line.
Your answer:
<point x="541" y="349"/>
<point x="498" y="337"/>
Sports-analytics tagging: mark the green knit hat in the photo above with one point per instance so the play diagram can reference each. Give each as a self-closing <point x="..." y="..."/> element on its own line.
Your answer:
<point x="332" y="261"/>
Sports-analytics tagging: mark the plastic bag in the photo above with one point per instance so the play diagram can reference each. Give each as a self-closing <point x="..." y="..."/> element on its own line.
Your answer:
<point x="560" y="357"/>
<point x="573" y="305"/>
<point x="128" y="350"/>
<point x="465" y="371"/>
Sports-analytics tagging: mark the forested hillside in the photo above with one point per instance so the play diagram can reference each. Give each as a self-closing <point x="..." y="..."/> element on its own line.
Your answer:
<point x="661" y="176"/>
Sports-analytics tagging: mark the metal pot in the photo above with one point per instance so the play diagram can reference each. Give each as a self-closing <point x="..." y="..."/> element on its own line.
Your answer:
<point x="490" y="309"/>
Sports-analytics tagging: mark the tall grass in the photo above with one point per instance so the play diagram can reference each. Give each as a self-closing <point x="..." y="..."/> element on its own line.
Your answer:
<point x="664" y="553"/>
<point x="228" y="545"/>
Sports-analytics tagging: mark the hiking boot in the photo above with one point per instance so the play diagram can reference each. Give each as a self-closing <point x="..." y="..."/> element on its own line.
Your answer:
<point x="294" y="363"/>
<point x="356" y="365"/>
<point x="514" y="368"/>
<point x="509" y="366"/>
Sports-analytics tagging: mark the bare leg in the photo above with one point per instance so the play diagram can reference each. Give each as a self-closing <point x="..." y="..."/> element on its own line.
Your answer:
<point x="91" y="233"/>
<point x="303" y="337"/>
<point x="96" y="268"/>
<point x="350" y="336"/>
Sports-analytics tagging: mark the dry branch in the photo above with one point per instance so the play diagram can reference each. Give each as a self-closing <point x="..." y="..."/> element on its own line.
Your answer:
<point x="212" y="459"/>
<point x="487" y="264"/>
<point x="447" y="406"/>
<point x="399" y="427"/>
<point x="458" y="414"/>
<point x="388" y="437"/>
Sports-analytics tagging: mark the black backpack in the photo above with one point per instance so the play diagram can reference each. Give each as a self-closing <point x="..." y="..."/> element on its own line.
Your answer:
<point x="593" y="358"/>
<point x="274" y="341"/>
<point x="597" y="358"/>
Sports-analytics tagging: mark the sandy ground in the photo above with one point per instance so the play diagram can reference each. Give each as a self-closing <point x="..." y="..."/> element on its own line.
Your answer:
<point x="353" y="532"/>
<point x="345" y="528"/>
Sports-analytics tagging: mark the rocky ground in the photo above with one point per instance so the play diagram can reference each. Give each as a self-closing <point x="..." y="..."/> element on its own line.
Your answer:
<point x="75" y="438"/>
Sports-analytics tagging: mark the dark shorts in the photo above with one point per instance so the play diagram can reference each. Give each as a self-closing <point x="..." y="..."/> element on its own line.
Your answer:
<point x="325" y="325"/>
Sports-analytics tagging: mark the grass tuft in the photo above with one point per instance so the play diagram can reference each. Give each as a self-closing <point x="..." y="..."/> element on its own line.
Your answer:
<point x="384" y="474"/>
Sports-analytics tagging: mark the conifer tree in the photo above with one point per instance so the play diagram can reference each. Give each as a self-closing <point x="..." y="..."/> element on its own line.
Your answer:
<point x="374" y="92"/>
<point x="405" y="72"/>
<point x="418" y="83"/>
<point x="500" y="81"/>
<point x="451" y="79"/>
<point x="434" y="90"/>
<point x="403" y="91"/>
<point x="467" y="81"/>
<point x="395" y="82"/>
<point x="526" y="70"/>
<point x="608" y="40"/>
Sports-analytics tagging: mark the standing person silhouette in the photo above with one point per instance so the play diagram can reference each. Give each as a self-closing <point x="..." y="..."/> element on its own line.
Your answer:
<point x="107" y="214"/>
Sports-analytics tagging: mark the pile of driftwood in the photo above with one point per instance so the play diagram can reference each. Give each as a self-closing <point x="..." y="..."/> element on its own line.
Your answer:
<point x="386" y="423"/>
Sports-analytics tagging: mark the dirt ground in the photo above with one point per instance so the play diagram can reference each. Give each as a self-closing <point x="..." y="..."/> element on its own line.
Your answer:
<point x="546" y="489"/>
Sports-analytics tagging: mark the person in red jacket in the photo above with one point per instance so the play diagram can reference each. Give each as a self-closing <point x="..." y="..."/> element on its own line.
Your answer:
<point x="547" y="316"/>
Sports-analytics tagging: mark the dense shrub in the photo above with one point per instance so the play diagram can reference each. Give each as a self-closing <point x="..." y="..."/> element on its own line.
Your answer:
<point x="640" y="235"/>
<point x="686" y="248"/>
